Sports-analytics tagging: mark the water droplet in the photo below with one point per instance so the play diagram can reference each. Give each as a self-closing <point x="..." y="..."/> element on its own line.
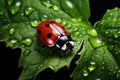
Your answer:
<point x="111" y="14"/>
<point x="14" y="8"/>
<point x="85" y="73"/>
<point x="47" y="4"/>
<point x="69" y="3"/>
<point x="26" y="52"/>
<point x="27" y="42"/>
<point x="97" y="79"/>
<point x="76" y="20"/>
<point x="56" y="8"/>
<point x="22" y="14"/>
<point x="45" y="16"/>
<point x="58" y="20"/>
<point x="96" y="42"/>
<point x="103" y="63"/>
<point x="118" y="74"/>
<point x="35" y="23"/>
<point x="78" y="42"/>
<point x="117" y="34"/>
<point x="10" y="2"/>
<point x="118" y="11"/>
<point x="107" y="32"/>
<point x="1" y="12"/>
<point x="41" y="65"/>
<point x="92" y="66"/>
<point x="77" y="34"/>
<point x="12" y="30"/>
<point x="69" y="26"/>
<point x="29" y="10"/>
<point x="92" y="32"/>
<point x="75" y="29"/>
<point x="12" y="42"/>
<point x="103" y="67"/>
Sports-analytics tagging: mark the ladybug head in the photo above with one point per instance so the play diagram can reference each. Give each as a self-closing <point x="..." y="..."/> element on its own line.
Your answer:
<point x="68" y="46"/>
<point x="65" y="43"/>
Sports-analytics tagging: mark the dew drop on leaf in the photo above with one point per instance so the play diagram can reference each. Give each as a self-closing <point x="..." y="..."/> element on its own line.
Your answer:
<point x="85" y="73"/>
<point x="58" y="20"/>
<point x="10" y="2"/>
<point x="69" y="3"/>
<point x="92" y="66"/>
<point x="118" y="73"/>
<point x="12" y="30"/>
<point x="35" y="23"/>
<point x="111" y="14"/>
<point x="47" y="4"/>
<point x="45" y="16"/>
<point x="27" y="42"/>
<point x="41" y="65"/>
<point x="14" y="8"/>
<point x="75" y="29"/>
<point x="103" y="63"/>
<point x="22" y="14"/>
<point x="106" y="32"/>
<point x="92" y="32"/>
<point x="56" y="8"/>
<point x="29" y="10"/>
<point x="1" y="12"/>
<point x="26" y="52"/>
<point x="96" y="42"/>
<point x="77" y="34"/>
<point x="64" y="23"/>
<point x="69" y="26"/>
<point x="103" y="67"/>
<point x="117" y="34"/>
<point x="12" y="42"/>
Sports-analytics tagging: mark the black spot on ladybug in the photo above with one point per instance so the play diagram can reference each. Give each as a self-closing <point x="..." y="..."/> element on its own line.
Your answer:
<point x="49" y="35"/>
<point x="47" y="25"/>
<point x="39" y="32"/>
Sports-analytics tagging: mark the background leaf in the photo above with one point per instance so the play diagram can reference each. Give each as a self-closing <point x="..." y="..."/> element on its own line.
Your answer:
<point x="109" y="29"/>
<point x="100" y="54"/>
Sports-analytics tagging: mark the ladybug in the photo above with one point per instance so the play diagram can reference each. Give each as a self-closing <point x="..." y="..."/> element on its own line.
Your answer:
<point x="53" y="34"/>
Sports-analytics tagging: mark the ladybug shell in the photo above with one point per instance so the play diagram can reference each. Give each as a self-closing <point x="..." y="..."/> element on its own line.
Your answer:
<point x="48" y="32"/>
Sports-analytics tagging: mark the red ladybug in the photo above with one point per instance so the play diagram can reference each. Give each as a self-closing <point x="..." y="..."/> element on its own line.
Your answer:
<point x="53" y="34"/>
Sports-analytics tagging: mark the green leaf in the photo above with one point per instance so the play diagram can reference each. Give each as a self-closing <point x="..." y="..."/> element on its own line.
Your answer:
<point x="18" y="22"/>
<point x="109" y="29"/>
<point x="100" y="56"/>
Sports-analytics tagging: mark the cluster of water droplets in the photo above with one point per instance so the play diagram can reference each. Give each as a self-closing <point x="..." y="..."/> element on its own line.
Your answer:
<point x="48" y="4"/>
<point x="111" y="23"/>
<point x="91" y="67"/>
<point x="94" y="39"/>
